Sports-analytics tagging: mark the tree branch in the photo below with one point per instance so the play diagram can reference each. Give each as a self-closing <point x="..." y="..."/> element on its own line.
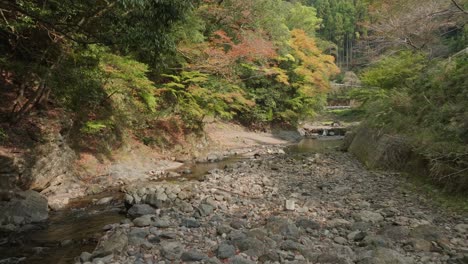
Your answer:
<point x="460" y="7"/>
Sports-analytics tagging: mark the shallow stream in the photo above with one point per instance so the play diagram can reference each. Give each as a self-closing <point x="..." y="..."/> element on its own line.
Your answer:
<point x="69" y="232"/>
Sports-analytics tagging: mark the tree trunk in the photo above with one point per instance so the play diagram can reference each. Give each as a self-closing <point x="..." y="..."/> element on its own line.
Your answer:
<point x="41" y="95"/>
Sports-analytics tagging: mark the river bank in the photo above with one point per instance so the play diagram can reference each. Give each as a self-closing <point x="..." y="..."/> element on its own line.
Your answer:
<point x="76" y="198"/>
<point x="287" y="208"/>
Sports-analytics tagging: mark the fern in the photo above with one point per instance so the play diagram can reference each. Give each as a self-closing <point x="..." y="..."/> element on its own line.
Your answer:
<point x="174" y="78"/>
<point x="93" y="127"/>
<point x="174" y="85"/>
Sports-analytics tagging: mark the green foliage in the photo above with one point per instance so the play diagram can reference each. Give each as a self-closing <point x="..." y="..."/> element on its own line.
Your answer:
<point x="303" y="17"/>
<point x="127" y="77"/>
<point x="94" y="127"/>
<point x="343" y="23"/>
<point x="77" y="82"/>
<point x="192" y="95"/>
<point x="395" y="71"/>
<point x="428" y="102"/>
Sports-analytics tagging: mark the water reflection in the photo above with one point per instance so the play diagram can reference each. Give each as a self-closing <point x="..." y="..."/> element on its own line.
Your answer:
<point x="319" y="145"/>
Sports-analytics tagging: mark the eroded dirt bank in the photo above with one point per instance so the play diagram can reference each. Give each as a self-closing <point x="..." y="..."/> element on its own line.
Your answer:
<point x="283" y="208"/>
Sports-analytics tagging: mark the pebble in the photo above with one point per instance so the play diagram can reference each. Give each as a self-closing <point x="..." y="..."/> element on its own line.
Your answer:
<point x="290" y="205"/>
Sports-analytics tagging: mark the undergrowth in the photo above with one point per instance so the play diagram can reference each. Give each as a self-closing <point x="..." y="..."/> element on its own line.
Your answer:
<point x="426" y="102"/>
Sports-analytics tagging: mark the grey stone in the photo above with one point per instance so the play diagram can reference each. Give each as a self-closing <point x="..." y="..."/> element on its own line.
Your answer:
<point x="161" y="196"/>
<point x="104" y="260"/>
<point x="290" y="205"/>
<point x="138" y="210"/>
<point x="307" y="224"/>
<point x="104" y="200"/>
<point x="283" y="227"/>
<point x="461" y="228"/>
<point x="143" y="221"/>
<point x="171" y="250"/>
<point x="331" y="258"/>
<point x="290" y="245"/>
<point x="426" y="232"/>
<point x="368" y="216"/>
<point x="250" y="246"/>
<point x="85" y="256"/>
<point x="396" y="233"/>
<point x="270" y="256"/>
<point x="137" y="236"/>
<point x="223" y="229"/>
<point x="153" y="200"/>
<point x="238" y="223"/>
<point x="27" y="206"/>
<point x="163" y="222"/>
<point x="212" y="260"/>
<point x="66" y="242"/>
<point x="116" y="243"/>
<point x="340" y="240"/>
<point x="375" y="241"/>
<point x="420" y="245"/>
<point x="360" y="226"/>
<point x="338" y="222"/>
<point x="240" y="260"/>
<point x="190" y="223"/>
<point x="204" y="210"/>
<point x="212" y="158"/>
<point x="356" y="236"/>
<point x="168" y="235"/>
<point x="185" y="207"/>
<point x="383" y="256"/>
<point x="225" y="251"/>
<point x="193" y="255"/>
<point x="183" y="195"/>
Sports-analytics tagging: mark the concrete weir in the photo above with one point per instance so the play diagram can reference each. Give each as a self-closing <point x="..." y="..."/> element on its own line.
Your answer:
<point x="332" y="130"/>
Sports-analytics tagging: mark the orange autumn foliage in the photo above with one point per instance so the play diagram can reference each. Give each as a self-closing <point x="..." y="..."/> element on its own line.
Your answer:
<point x="221" y="54"/>
<point x="315" y="67"/>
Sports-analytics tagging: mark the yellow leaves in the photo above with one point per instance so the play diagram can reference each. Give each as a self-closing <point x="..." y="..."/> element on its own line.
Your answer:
<point x="314" y="67"/>
<point x="281" y="75"/>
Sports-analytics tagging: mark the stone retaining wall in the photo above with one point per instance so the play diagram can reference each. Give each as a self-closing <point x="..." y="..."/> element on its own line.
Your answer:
<point x="377" y="150"/>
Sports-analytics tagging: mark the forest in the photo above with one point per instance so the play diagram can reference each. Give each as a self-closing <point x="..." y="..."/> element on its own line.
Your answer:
<point x="156" y="70"/>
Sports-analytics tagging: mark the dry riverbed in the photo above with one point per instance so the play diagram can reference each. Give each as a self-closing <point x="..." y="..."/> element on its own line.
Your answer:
<point x="283" y="208"/>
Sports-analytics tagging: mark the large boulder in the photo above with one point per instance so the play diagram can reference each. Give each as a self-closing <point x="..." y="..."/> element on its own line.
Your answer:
<point x="115" y="243"/>
<point x="50" y="161"/>
<point x="24" y="208"/>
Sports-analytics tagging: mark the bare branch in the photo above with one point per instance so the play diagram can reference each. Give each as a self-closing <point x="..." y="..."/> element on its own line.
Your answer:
<point x="459" y="7"/>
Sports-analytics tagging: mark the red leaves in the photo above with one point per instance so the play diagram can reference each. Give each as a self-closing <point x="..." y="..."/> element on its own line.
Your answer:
<point x="221" y="54"/>
<point x="253" y="47"/>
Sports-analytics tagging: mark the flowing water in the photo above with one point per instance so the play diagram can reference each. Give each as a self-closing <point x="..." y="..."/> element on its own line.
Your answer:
<point x="65" y="235"/>
<point x="68" y="233"/>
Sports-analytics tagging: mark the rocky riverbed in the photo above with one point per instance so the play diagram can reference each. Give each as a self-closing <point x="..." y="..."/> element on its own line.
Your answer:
<point x="280" y="208"/>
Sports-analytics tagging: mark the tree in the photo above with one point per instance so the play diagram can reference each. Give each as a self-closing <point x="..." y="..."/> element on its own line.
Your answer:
<point x="38" y="36"/>
<point x="408" y="24"/>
